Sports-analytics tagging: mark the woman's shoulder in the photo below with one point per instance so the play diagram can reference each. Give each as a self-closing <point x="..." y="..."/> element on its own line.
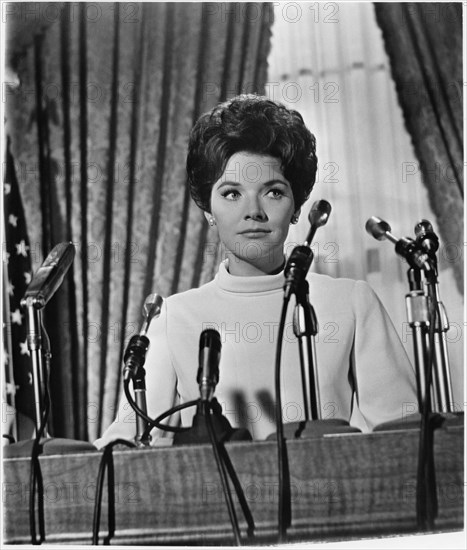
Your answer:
<point x="340" y="288"/>
<point x="192" y="295"/>
<point x="320" y="280"/>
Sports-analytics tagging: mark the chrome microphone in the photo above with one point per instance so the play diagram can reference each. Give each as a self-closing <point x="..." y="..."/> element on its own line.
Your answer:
<point x="49" y="276"/>
<point x="135" y="354"/>
<point x="135" y="357"/>
<point x="415" y="255"/>
<point x="318" y="216"/>
<point x="300" y="259"/>
<point x="152" y="308"/>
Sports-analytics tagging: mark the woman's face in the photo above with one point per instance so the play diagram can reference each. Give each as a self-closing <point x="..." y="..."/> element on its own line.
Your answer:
<point x="252" y="204"/>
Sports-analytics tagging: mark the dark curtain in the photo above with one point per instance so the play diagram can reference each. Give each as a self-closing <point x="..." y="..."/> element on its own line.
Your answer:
<point x="424" y="44"/>
<point x="99" y="127"/>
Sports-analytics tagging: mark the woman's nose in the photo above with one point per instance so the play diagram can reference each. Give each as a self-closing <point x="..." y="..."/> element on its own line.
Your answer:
<point x="255" y="210"/>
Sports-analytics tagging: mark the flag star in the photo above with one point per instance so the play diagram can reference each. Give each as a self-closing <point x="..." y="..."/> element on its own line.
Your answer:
<point x="13" y="220"/>
<point x="11" y="288"/>
<point x="27" y="277"/>
<point x="22" y="249"/>
<point x="16" y="317"/>
<point x="7" y="188"/>
<point x="24" y="348"/>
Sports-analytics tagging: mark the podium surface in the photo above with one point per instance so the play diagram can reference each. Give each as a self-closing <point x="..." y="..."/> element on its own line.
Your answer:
<point x="342" y="486"/>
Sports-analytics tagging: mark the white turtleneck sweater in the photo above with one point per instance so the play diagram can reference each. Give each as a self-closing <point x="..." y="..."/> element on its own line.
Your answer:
<point x="364" y="374"/>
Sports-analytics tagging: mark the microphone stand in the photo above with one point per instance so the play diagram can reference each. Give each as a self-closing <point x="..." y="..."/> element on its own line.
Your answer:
<point x="305" y="326"/>
<point x="135" y="356"/>
<point x="134" y="359"/>
<point x="44" y="284"/>
<point x="34" y="341"/>
<point x="442" y="378"/>
<point x="418" y="317"/>
<point x="422" y="312"/>
<point x="418" y="303"/>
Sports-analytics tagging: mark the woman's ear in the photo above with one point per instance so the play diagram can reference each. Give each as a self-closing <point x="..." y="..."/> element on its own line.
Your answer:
<point x="210" y="218"/>
<point x="295" y="217"/>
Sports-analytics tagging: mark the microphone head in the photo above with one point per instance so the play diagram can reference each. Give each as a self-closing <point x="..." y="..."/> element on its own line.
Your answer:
<point x="152" y="306"/>
<point x="48" y="278"/>
<point x="61" y="252"/>
<point x="209" y="358"/>
<point x="422" y="227"/>
<point x="319" y="213"/>
<point x="426" y="236"/>
<point x="210" y="338"/>
<point x="377" y="228"/>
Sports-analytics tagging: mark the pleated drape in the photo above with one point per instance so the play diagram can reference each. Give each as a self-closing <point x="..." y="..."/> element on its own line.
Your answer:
<point x="99" y="128"/>
<point x="328" y="61"/>
<point x="424" y="44"/>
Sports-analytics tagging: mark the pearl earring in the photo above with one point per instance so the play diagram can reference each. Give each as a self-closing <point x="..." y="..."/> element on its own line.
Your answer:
<point x="212" y="221"/>
<point x="294" y="219"/>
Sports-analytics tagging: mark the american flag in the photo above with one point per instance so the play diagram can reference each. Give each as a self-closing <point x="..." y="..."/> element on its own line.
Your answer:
<point x="17" y="274"/>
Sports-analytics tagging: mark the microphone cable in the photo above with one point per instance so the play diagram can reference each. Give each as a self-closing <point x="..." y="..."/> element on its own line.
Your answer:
<point x="206" y="405"/>
<point x="284" y="512"/>
<point x="106" y="463"/>
<point x="155" y="423"/>
<point x="295" y="272"/>
<point x="35" y="475"/>
<point x="223" y="463"/>
<point x="36" y="480"/>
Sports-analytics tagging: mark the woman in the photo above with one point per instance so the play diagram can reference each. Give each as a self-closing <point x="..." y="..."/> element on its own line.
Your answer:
<point x="251" y="165"/>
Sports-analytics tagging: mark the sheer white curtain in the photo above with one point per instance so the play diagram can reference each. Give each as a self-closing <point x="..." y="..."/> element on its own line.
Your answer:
<point x="328" y="62"/>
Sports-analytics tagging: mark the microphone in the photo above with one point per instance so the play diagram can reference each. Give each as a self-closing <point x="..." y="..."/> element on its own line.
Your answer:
<point x="207" y="379"/>
<point x="152" y="308"/>
<point x="49" y="276"/>
<point x="134" y="358"/>
<point x="135" y="354"/>
<point x="405" y="247"/>
<point x="300" y="260"/>
<point x="426" y="237"/>
<point x="318" y="216"/>
<point x="208" y="360"/>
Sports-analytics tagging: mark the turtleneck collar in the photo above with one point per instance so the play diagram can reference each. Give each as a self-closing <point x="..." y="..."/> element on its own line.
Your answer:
<point x="253" y="284"/>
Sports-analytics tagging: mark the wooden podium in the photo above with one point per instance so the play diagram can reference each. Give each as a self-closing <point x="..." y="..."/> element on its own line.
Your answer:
<point x="343" y="486"/>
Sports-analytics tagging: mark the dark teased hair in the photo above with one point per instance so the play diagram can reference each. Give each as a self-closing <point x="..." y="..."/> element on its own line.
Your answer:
<point x="253" y="124"/>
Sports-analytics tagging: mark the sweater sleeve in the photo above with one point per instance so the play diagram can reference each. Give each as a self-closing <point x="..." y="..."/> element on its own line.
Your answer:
<point x="383" y="376"/>
<point x="161" y="391"/>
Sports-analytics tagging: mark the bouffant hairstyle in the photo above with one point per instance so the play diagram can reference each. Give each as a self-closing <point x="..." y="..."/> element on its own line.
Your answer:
<point x="253" y="124"/>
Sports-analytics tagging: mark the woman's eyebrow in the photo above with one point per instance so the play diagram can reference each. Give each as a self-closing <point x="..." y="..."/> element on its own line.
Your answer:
<point x="265" y="184"/>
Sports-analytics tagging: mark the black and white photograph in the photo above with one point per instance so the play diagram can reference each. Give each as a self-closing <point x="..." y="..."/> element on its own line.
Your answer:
<point x="233" y="274"/>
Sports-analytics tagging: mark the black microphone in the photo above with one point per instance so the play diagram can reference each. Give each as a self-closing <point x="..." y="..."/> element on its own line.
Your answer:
<point x="426" y="237"/>
<point x="49" y="276"/>
<point x="405" y="247"/>
<point x="301" y="257"/>
<point x="209" y="357"/>
<point x="207" y="378"/>
<point x="135" y="354"/>
<point x="134" y="358"/>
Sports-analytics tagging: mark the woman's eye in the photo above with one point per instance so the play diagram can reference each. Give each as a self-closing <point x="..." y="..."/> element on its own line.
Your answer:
<point x="276" y="193"/>
<point x="231" y="194"/>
